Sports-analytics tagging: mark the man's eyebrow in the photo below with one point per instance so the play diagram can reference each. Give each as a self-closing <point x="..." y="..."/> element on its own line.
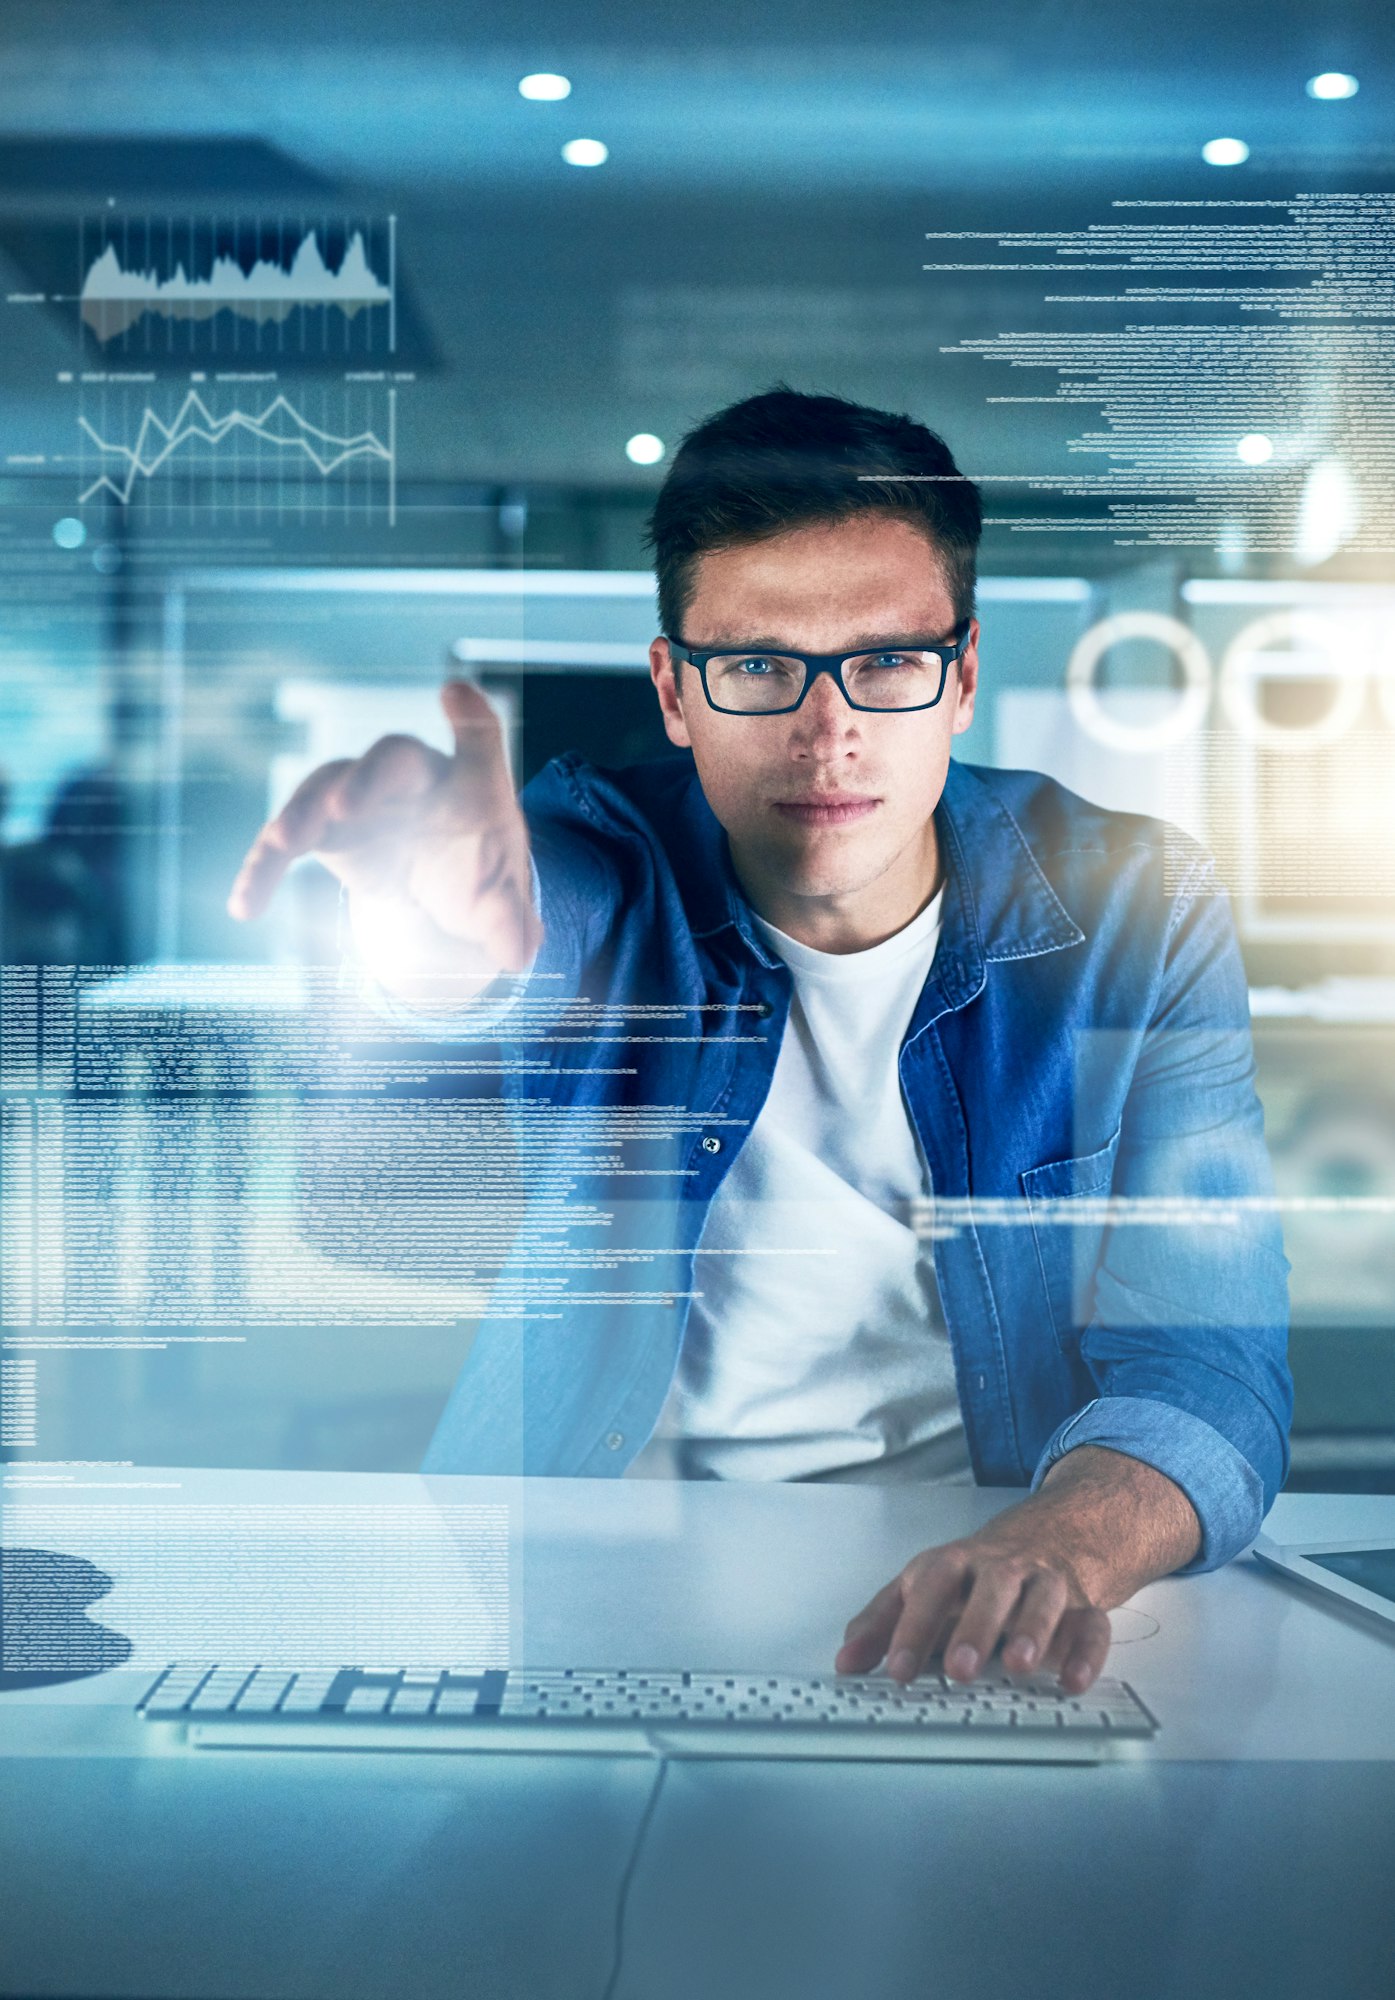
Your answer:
<point x="864" y="642"/>
<point x="745" y="646"/>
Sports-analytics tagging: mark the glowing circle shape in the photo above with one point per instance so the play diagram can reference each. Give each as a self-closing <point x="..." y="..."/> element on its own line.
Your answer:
<point x="1225" y="152"/>
<point x="1255" y="448"/>
<point x="585" y="153"/>
<point x="644" y="448"/>
<point x="1242" y="666"/>
<point x="1083" y="695"/>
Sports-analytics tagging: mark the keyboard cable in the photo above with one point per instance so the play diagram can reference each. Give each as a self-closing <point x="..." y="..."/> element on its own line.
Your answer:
<point x="631" y="1866"/>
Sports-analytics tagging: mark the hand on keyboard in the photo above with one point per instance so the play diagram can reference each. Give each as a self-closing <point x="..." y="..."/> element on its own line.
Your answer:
<point x="1010" y="1583"/>
<point x="959" y="1600"/>
<point x="1038" y="1578"/>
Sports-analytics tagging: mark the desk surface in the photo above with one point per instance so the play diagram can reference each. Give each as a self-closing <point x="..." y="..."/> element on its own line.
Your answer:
<point x="1249" y="1850"/>
<point x="1240" y="1664"/>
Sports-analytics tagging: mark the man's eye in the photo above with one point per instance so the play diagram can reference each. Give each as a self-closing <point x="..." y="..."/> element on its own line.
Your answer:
<point x="755" y="664"/>
<point x="888" y="660"/>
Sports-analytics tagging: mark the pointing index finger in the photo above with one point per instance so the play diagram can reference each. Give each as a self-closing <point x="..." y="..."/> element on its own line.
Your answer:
<point x="479" y="740"/>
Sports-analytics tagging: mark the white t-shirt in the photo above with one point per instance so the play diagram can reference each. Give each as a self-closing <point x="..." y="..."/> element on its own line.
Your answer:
<point x="817" y="1348"/>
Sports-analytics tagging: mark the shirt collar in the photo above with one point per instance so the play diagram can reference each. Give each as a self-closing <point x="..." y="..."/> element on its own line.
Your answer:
<point x="998" y="902"/>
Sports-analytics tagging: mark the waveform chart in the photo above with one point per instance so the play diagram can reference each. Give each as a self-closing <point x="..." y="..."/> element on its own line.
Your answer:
<point x="242" y="451"/>
<point x="261" y="288"/>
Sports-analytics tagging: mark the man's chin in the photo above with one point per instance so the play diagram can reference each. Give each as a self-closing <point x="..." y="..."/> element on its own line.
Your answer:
<point x="822" y="864"/>
<point x="821" y="883"/>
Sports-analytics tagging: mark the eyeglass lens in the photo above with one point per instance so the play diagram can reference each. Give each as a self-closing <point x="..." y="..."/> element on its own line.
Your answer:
<point x="751" y="682"/>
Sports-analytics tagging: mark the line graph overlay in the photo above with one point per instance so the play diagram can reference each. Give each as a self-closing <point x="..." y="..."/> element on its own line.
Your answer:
<point x="280" y="437"/>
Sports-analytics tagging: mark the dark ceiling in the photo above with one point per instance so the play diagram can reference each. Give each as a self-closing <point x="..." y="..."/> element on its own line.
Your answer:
<point x="772" y="173"/>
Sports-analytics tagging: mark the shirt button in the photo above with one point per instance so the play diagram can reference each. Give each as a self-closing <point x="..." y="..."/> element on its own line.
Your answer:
<point x="614" y="1440"/>
<point x="711" y="1145"/>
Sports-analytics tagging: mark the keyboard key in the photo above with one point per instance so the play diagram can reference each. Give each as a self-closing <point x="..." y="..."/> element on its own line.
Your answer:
<point x="414" y="1700"/>
<point x="263" y="1691"/>
<point x="457" y="1701"/>
<point x="367" y="1701"/>
<point x="175" y="1688"/>
<point x="220" y="1690"/>
<point x="306" y="1693"/>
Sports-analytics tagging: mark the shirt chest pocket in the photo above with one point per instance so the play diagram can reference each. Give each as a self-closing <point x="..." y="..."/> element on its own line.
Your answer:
<point x="1068" y="1206"/>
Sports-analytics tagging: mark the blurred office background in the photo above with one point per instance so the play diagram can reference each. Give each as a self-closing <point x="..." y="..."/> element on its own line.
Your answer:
<point x="462" y="324"/>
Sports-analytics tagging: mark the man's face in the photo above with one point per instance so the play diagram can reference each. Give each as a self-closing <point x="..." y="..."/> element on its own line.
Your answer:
<point x="828" y="810"/>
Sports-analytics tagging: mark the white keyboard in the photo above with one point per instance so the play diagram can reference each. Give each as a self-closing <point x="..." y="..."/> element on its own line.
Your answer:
<point x="638" y="1711"/>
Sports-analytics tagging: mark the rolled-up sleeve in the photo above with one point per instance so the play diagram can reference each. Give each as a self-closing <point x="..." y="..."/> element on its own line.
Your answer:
<point x="1224" y="1488"/>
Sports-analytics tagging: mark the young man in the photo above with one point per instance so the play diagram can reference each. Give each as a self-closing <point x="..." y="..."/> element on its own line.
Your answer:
<point x="924" y="989"/>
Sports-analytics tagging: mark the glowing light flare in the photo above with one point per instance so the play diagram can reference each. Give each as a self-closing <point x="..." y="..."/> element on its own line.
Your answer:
<point x="585" y="153"/>
<point x="1329" y="512"/>
<point x="1331" y="85"/>
<point x="544" y="86"/>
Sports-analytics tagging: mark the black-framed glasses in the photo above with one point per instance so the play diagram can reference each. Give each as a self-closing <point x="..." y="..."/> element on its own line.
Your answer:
<point x="760" y="682"/>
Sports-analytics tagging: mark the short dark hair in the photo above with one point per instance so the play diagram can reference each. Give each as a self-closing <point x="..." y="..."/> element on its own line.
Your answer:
<point x="784" y="459"/>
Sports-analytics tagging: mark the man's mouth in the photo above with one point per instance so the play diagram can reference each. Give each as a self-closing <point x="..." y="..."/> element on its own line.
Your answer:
<point x="827" y="809"/>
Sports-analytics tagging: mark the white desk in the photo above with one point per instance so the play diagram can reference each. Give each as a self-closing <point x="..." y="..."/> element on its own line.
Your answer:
<point x="1249" y="1850"/>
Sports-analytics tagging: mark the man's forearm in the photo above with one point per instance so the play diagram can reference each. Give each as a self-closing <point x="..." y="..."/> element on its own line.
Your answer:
<point x="1119" y="1522"/>
<point x="1038" y="1577"/>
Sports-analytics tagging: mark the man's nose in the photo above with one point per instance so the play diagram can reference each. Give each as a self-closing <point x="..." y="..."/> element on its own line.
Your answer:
<point x="823" y="717"/>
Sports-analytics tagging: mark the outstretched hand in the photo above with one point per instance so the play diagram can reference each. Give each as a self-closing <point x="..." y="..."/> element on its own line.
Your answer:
<point x="433" y="851"/>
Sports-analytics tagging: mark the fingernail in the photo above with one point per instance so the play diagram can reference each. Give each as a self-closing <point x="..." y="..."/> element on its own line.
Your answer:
<point x="1024" y="1652"/>
<point x="901" y="1664"/>
<point x="963" y="1660"/>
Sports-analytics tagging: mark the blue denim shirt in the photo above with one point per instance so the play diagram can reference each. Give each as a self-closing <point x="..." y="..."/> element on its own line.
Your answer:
<point x="1078" y="1068"/>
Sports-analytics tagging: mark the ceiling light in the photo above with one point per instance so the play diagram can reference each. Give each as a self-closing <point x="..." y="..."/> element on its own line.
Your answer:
<point x="1255" y="448"/>
<point x="644" y="448"/>
<point x="1332" y="83"/>
<point x="543" y="87"/>
<point x="1225" y="152"/>
<point x="585" y="153"/>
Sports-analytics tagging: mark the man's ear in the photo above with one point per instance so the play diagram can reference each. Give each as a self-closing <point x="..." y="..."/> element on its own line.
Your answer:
<point x="664" y="672"/>
<point x="967" y="686"/>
